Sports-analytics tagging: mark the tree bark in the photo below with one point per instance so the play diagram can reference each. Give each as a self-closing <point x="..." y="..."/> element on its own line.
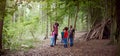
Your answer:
<point x="69" y="17"/>
<point x="56" y="11"/>
<point x="76" y="16"/>
<point x="51" y="26"/>
<point x="1" y="28"/>
<point x="47" y="22"/>
<point x="118" y="18"/>
<point x="47" y="28"/>
<point x="69" y="21"/>
<point x="2" y="13"/>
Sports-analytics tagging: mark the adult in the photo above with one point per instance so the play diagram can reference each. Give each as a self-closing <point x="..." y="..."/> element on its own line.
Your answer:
<point x="55" y="27"/>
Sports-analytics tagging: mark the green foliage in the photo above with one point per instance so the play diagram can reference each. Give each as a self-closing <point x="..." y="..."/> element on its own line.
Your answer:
<point x="26" y="21"/>
<point x="20" y="30"/>
<point x="17" y="34"/>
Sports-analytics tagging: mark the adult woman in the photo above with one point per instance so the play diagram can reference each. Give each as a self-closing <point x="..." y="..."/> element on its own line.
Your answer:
<point x="55" y="27"/>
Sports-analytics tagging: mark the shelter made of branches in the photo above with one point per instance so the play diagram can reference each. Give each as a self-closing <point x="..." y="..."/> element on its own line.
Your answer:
<point x="96" y="32"/>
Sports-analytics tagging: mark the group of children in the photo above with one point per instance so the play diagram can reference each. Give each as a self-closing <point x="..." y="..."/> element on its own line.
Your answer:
<point x="67" y="35"/>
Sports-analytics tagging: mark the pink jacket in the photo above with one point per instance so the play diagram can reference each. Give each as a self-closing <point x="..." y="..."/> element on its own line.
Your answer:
<point x="53" y="34"/>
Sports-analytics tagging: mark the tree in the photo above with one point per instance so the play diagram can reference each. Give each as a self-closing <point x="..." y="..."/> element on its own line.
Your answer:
<point x="118" y="19"/>
<point x="2" y="14"/>
<point x="77" y="11"/>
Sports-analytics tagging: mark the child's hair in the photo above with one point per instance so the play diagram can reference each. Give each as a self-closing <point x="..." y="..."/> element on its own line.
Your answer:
<point x="70" y="26"/>
<point x="66" y="28"/>
<point x="73" y="30"/>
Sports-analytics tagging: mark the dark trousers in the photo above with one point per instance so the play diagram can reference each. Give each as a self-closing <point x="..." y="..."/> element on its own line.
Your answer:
<point x="71" y="41"/>
<point x="55" y="38"/>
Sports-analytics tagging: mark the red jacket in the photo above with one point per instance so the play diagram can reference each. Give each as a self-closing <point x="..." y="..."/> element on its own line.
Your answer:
<point x="66" y="34"/>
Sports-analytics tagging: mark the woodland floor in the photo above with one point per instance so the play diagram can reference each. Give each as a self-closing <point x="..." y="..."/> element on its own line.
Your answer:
<point x="80" y="48"/>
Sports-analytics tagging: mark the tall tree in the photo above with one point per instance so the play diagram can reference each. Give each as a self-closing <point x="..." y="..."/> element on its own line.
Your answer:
<point x="77" y="11"/>
<point x="118" y="19"/>
<point x="69" y="21"/>
<point x="47" y="1"/>
<point x="2" y="13"/>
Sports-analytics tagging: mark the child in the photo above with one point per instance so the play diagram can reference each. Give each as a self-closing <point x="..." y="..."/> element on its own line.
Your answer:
<point x="62" y="36"/>
<point x="71" y="35"/>
<point x="52" y="39"/>
<point x="65" y="37"/>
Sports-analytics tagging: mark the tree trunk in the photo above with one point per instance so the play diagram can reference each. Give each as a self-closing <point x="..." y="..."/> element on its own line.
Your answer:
<point x="88" y="21"/>
<point x="69" y="21"/>
<point x="118" y="19"/>
<point x="46" y="30"/>
<point x="51" y="26"/>
<point x="1" y="27"/>
<point x="76" y="16"/>
<point x="2" y="13"/>
<point x="56" y="11"/>
<point x="47" y="22"/>
<point x="113" y="30"/>
<point x="69" y="17"/>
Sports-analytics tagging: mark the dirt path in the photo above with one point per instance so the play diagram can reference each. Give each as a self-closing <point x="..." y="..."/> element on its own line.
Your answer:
<point x="80" y="48"/>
